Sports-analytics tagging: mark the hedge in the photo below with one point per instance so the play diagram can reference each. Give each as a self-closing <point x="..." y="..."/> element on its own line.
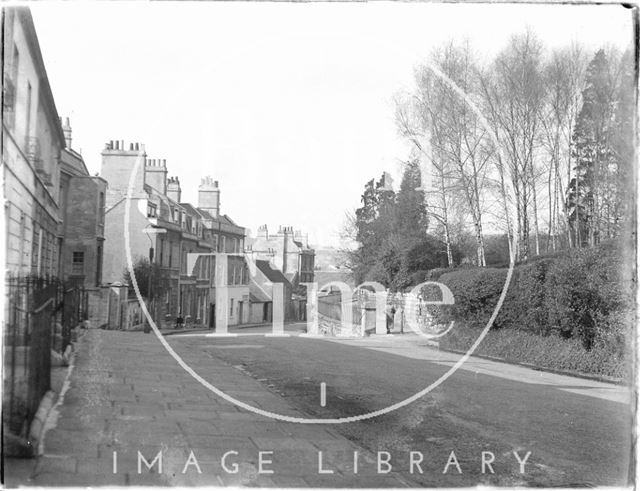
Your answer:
<point x="586" y="295"/>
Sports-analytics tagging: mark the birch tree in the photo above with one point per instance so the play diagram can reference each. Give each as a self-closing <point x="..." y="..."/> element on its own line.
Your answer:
<point x="410" y="125"/>
<point x="456" y="138"/>
<point x="563" y="77"/>
<point x="513" y="92"/>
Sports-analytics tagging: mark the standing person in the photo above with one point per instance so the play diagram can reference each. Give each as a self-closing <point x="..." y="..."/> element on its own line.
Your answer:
<point x="179" y="321"/>
<point x="390" y="316"/>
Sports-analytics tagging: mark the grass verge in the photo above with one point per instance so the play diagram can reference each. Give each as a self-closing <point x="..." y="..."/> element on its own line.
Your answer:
<point x="551" y="352"/>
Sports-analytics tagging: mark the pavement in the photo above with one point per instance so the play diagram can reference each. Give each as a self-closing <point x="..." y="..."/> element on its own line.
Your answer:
<point x="261" y="327"/>
<point x="127" y="398"/>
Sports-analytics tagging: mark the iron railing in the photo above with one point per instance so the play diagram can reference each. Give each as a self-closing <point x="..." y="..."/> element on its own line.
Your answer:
<point x="40" y="315"/>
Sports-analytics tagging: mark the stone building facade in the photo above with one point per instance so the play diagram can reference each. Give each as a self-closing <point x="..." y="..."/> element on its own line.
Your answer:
<point x="261" y="293"/>
<point x="54" y="210"/>
<point x="288" y="251"/>
<point x="32" y="141"/>
<point x="169" y="232"/>
<point x="82" y="205"/>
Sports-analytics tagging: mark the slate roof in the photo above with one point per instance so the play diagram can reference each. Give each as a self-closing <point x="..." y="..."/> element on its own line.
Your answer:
<point x="221" y="218"/>
<point x="205" y="214"/>
<point x="273" y="275"/>
<point x="191" y="209"/>
<point x="227" y="220"/>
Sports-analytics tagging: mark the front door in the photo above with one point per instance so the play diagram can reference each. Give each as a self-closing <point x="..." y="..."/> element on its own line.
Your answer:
<point x="212" y="315"/>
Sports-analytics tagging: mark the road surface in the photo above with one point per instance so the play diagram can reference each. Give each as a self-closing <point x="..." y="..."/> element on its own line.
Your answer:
<point x="578" y="431"/>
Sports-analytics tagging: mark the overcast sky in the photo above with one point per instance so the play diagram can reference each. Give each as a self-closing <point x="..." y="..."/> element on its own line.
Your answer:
<point x="289" y="106"/>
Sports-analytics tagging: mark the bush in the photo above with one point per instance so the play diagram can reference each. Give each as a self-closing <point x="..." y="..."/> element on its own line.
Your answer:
<point x="524" y="306"/>
<point x="496" y="250"/>
<point x="419" y="276"/>
<point x="585" y="295"/>
<point x="435" y="274"/>
<point x="588" y="288"/>
<point x="423" y="275"/>
<point x="476" y="292"/>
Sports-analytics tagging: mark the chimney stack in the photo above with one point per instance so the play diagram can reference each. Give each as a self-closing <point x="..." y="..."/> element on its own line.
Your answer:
<point x="117" y="162"/>
<point x="173" y="189"/>
<point x="155" y="175"/>
<point x="263" y="232"/>
<point x="66" y="129"/>
<point x="209" y="196"/>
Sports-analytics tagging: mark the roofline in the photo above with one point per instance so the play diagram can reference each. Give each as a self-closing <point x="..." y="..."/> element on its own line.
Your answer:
<point x="75" y="154"/>
<point x="267" y="265"/>
<point x="188" y="206"/>
<point x="24" y="13"/>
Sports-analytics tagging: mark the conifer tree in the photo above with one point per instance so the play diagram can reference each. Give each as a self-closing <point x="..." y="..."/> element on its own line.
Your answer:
<point x="588" y="189"/>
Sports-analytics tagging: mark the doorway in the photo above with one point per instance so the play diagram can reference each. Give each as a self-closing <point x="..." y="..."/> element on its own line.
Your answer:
<point x="212" y="315"/>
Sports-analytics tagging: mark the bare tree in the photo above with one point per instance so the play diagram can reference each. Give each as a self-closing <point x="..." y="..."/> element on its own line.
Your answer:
<point x="411" y="125"/>
<point x="514" y="93"/>
<point x="455" y="137"/>
<point x="563" y="78"/>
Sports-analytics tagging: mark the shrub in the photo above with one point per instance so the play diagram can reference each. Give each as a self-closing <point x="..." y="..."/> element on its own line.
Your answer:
<point x="524" y="306"/>
<point x="476" y="292"/>
<point x="419" y="276"/>
<point x="587" y="288"/>
<point x="584" y="294"/>
<point x="496" y="250"/>
<point x="423" y="275"/>
<point x="435" y="274"/>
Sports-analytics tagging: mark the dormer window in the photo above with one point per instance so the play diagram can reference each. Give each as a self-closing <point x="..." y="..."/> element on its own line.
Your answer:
<point x="152" y="210"/>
